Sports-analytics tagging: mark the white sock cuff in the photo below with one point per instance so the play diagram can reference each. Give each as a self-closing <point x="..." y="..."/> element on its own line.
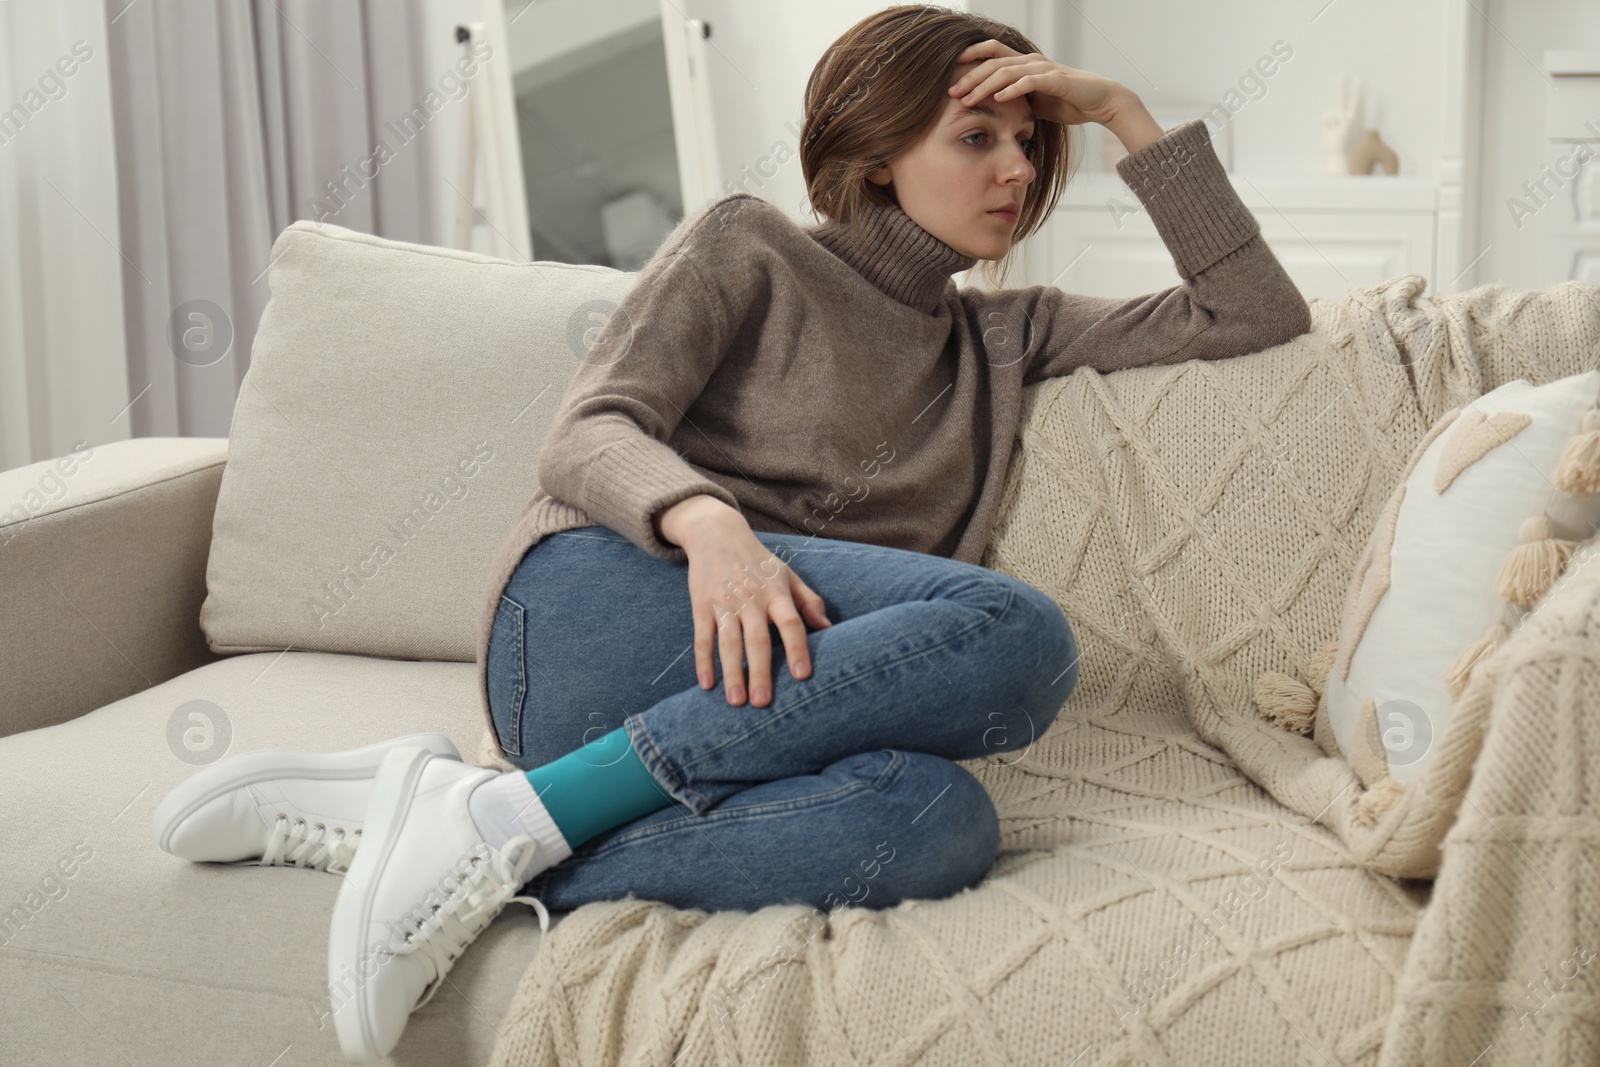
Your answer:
<point x="507" y="806"/>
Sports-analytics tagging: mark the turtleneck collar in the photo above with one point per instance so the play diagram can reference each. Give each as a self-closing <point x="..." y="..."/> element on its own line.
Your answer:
<point x="895" y="254"/>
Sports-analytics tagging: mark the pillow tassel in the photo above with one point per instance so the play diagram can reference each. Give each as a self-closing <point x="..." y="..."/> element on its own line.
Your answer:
<point x="1533" y="566"/>
<point x="1578" y="472"/>
<point x="1373" y="804"/>
<point x="1459" y="673"/>
<point x="1286" y="702"/>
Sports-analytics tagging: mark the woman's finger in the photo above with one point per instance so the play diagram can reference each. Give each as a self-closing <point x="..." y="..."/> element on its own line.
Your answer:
<point x="975" y="77"/>
<point x="811" y="605"/>
<point x="793" y="632"/>
<point x="730" y="637"/>
<point x="1022" y="84"/>
<point x="998" y="79"/>
<point x="758" y="650"/>
<point x="989" y="50"/>
<point x="705" y="629"/>
<point x="991" y="47"/>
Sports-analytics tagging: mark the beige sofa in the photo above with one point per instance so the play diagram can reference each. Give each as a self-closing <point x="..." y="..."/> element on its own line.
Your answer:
<point x="1130" y="832"/>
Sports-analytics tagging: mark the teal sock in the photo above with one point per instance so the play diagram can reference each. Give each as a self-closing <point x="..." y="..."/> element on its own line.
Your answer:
<point x="599" y="786"/>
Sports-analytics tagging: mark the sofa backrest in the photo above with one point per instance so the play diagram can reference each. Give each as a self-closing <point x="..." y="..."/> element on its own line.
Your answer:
<point x="385" y="438"/>
<point x="1199" y="522"/>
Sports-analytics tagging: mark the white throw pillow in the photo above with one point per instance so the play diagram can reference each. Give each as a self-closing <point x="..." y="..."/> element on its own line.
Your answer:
<point x="1489" y="510"/>
<point x="386" y="438"/>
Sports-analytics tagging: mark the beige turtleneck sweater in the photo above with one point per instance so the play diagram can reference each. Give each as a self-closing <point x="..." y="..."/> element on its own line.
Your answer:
<point x="836" y="384"/>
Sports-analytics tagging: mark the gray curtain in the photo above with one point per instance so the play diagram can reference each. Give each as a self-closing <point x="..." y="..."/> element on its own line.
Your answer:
<point x="234" y="118"/>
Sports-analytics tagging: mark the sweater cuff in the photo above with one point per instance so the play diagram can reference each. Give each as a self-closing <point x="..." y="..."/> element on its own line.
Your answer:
<point x="1180" y="181"/>
<point x="631" y="480"/>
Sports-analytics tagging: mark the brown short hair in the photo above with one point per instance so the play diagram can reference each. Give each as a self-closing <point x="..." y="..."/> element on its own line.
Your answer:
<point x="873" y="94"/>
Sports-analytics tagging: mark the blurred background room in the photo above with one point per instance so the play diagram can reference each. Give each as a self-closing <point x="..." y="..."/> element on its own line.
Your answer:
<point x="152" y="150"/>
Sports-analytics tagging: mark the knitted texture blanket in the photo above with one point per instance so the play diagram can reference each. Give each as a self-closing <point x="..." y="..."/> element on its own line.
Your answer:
<point x="1173" y="884"/>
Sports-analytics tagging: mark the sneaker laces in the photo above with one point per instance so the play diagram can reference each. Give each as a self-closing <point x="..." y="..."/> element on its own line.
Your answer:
<point x="295" y="843"/>
<point x="488" y="885"/>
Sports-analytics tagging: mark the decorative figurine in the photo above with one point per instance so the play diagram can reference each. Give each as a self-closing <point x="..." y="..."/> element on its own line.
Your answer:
<point x="1371" y="150"/>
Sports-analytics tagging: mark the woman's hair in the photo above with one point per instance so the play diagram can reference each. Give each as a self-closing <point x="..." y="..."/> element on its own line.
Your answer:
<point x="874" y="93"/>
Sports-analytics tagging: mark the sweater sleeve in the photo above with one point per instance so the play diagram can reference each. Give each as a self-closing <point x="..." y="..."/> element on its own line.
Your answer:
<point x="606" y="452"/>
<point x="1235" y="297"/>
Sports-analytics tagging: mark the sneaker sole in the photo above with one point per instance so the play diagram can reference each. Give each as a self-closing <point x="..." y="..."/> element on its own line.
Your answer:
<point x="352" y="910"/>
<point x="207" y="785"/>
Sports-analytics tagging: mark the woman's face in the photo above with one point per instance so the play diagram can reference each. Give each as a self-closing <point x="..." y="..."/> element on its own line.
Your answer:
<point x="967" y="164"/>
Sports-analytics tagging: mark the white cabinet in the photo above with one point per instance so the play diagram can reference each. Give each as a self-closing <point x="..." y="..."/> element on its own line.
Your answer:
<point x="1329" y="233"/>
<point x="1570" y="185"/>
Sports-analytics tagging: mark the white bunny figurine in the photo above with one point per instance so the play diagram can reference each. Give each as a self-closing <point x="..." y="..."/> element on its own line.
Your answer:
<point x="1338" y="123"/>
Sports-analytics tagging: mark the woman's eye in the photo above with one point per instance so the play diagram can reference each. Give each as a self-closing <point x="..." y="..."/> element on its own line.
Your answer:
<point x="1028" y="142"/>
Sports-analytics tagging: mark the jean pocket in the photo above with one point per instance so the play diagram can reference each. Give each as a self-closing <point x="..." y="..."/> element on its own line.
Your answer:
<point x="506" y="674"/>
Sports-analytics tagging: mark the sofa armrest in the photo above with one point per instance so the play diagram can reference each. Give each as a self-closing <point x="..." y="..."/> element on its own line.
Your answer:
<point x="102" y="572"/>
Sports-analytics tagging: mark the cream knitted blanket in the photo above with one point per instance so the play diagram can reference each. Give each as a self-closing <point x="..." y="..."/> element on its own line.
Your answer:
<point x="1165" y="892"/>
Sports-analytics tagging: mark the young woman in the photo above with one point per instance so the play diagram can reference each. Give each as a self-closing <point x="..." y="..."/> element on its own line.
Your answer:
<point x="817" y="421"/>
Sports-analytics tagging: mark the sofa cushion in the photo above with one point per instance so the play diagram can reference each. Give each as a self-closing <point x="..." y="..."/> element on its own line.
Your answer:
<point x="385" y="439"/>
<point x="113" y="951"/>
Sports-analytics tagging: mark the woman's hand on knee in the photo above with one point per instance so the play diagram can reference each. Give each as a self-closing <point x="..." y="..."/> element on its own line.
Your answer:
<point x="737" y="588"/>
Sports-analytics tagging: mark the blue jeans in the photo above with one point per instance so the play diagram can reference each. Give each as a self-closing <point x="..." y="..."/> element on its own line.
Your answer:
<point x="841" y="790"/>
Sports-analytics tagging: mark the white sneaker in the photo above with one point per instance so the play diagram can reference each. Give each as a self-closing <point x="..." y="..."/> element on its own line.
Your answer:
<point x="300" y="809"/>
<point x="423" y="886"/>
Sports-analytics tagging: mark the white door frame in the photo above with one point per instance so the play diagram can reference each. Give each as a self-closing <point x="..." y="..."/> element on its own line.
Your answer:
<point x="1461" y="249"/>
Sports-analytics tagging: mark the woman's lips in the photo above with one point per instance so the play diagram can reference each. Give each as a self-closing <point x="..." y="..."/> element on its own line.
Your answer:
<point x="1009" y="216"/>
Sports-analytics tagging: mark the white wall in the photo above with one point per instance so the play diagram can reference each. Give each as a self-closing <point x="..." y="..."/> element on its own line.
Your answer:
<point x="1178" y="50"/>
